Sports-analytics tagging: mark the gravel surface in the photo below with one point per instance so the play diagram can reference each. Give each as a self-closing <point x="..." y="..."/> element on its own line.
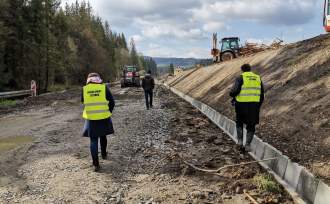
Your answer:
<point x="144" y="165"/>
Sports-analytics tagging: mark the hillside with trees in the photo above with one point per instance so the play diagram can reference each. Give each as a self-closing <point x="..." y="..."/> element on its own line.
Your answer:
<point x="56" y="45"/>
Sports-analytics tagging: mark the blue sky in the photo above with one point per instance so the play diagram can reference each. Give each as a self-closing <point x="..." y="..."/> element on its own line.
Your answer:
<point x="183" y="28"/>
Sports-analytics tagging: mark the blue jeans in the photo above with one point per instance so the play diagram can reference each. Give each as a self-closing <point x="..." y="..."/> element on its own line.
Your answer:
<point x="148" y="95"/>
<point x="94" y="147"/>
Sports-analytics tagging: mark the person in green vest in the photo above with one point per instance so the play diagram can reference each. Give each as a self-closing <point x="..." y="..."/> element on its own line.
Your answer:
<point x="248" y="96"/>
<point x="98" y="107"/>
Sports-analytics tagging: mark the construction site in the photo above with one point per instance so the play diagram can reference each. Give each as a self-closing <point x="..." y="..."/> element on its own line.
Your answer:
<point x="183" y="148"/>
<point x="155" y="156"/>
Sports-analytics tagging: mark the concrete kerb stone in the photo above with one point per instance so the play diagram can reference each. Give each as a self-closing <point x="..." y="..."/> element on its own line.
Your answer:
<point x="217" y="119"/>
<point x="270" y="152"/>
<point x="322" y="194"/>
<point x="232" y="128"/>
<point x="254" y="144"/>
<point x="210" y="114"/>
<point x="222" y="121"/>
<point x="292" y="174"/>
<point x="295" y="178"/>
<point x="204" y="108"/>
<point x="198" y="105"/>
<point x="281" y="165"/>
<point x="227" y="124"/>
<point x="307" y="186"/>
<point x="260" y="150"/>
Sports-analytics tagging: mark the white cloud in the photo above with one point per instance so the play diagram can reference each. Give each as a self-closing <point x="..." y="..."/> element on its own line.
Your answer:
<point x="137" y="38"/>
<point x="281" y="12"/>
<point x="214" y="26"/>
<point x="157" y="50"/>
<point x="177" y="25"/>
<point x="168" y="29"/>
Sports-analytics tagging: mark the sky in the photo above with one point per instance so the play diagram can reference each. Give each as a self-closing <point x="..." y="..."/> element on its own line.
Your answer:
<point x="183" y="28"/>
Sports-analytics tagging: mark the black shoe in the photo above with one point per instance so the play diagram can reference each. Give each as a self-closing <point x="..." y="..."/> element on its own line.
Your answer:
<point x="96" y="165"/>
<point x="97" y="168"/>
<point x="105" y="156"/>
<point x="248" y="148"/>
<point x="241" y="149"/>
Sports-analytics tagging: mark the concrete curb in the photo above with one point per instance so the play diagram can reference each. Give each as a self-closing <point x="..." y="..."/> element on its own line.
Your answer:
<point x="299" y="183"/>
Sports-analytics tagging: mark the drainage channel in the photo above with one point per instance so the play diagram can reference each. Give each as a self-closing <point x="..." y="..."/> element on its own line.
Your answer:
<point x="303" y="186"/>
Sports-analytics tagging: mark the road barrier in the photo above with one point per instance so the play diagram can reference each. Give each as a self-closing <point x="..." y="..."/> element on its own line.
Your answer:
<point x="299" y="183"/>
<point x="12" y="94"/>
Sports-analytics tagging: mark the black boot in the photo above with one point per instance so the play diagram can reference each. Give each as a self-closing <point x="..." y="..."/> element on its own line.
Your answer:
<point x="104" y="155"/>
<point x="104" y="144"/>
<point x="96" y="165"/>
<point x="249" y="138"/>
<point x="240" y="137"/>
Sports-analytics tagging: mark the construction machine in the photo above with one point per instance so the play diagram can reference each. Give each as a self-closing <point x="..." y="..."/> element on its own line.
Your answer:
<point x="130" y="77"/>
<point x="230" y="49"/>
<point x="326" y="16"/>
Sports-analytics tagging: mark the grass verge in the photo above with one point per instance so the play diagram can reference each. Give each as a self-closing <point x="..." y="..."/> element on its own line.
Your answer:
<point x="7" y="103"/>
<point x="265" y="182"/>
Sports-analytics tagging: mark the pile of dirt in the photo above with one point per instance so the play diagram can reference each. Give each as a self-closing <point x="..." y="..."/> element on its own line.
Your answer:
<point x="199" y="142"/>
<point x="295" y="115"/>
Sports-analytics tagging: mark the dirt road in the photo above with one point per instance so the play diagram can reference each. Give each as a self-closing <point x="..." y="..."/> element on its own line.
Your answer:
<point x="44" y="159"/>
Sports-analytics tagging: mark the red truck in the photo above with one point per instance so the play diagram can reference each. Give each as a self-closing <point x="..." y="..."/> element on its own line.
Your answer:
<point x="130" y="77"/>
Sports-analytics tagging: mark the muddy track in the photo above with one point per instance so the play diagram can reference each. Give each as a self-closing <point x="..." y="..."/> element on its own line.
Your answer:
<point x="142" y="167"/>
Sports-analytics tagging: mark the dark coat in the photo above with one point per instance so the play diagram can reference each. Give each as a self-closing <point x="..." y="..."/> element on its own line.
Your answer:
<point x="246" y="112"/>
<point x="100" y="128"/>
<point x="148" y="83"/>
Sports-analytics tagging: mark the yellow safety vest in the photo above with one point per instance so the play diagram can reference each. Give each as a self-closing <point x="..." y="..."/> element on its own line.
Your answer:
<point x="95" y="102"/>
<point x="251" y="88"/>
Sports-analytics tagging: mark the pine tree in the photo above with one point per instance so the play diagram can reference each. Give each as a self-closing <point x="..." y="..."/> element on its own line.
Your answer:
<point x="133" y="53"/>
<point x="53" y="45"/>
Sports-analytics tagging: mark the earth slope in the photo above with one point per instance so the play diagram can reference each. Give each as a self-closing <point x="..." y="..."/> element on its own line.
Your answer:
<point x="295" y="115"/>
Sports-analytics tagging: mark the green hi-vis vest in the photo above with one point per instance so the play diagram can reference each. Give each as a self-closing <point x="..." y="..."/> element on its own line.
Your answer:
<point x="95" y="102"/>
<point x="251" y="88"/>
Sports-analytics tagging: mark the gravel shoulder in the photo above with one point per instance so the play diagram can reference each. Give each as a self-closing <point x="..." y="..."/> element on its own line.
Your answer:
<point x="143" y="165"/>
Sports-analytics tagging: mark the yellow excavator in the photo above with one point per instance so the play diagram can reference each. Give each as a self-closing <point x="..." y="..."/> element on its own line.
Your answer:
<point x="230" y="49"/>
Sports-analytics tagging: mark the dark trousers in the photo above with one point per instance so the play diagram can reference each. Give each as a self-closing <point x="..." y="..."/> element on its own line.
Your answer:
<point x="94" y="146"/>
<point x="250" y="128"/>
<point x="148" y="95"/>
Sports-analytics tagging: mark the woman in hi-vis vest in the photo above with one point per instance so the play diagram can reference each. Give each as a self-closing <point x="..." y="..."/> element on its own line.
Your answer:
<point x="98" y="106"/>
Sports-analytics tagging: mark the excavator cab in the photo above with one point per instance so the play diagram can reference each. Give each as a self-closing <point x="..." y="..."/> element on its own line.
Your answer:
<point x="326" y="16"/>
<point x="229" y="48"/>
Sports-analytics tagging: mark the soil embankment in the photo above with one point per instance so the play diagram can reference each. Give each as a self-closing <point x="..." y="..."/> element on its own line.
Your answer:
<point x="295" y="117"/>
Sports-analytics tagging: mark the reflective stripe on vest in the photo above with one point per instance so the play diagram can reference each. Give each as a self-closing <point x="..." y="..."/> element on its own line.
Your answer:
<point x="251" y="88"/>
<point x="95" y="102"/>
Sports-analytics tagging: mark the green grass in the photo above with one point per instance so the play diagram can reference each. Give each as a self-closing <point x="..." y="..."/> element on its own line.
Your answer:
<point x="7" y="103"/>
<point x="265" y="182"/>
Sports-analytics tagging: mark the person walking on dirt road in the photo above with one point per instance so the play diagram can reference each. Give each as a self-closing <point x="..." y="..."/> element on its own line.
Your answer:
<point x="98" y="106"/>
<point x="148" y="84"/>
<point x="248" y="96"/>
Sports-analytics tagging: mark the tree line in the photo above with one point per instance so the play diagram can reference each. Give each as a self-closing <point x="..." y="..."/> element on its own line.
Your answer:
<point x="52" y="44"/>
